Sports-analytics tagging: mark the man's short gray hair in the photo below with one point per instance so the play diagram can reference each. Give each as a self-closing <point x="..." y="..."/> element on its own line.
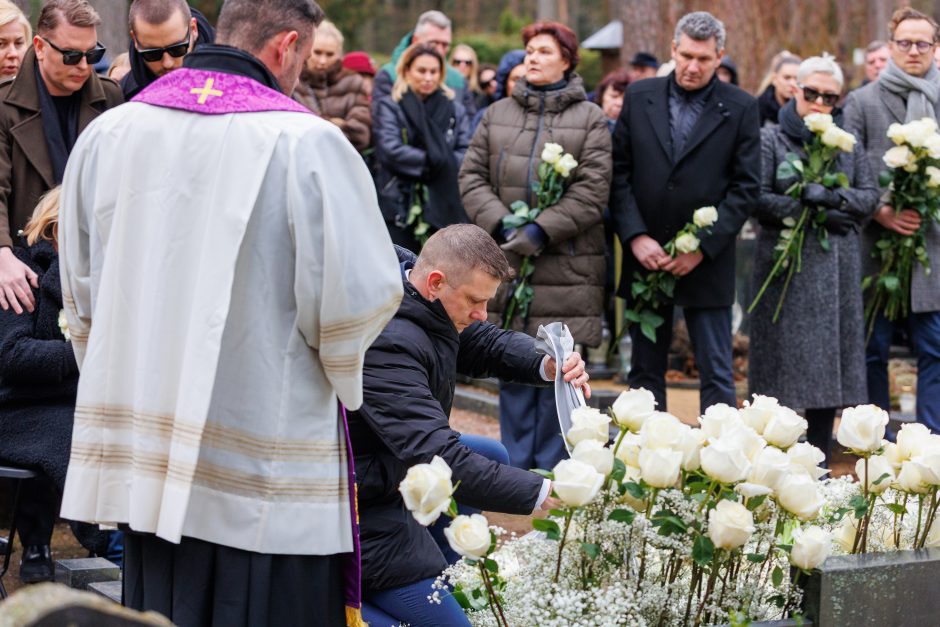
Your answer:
<point x="875" y="46"/>
<point x="826" y="64"/>
<point x="432" y="18"/>
<point x="701" y="26"/>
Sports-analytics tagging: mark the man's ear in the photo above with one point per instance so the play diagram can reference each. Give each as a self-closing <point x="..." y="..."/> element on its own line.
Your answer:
<point x="436" y="282"/>
<point x="40" y="46"/>
<point x="285" y="46"/>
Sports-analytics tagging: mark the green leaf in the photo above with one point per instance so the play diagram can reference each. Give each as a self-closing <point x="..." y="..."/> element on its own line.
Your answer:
<point x="842" y="179"/>
<point x="491" y="565"/>
<point x="649" y="331"/>
<point x="636" y="490"/>
<point x="550" y="527"/>
<point x="548" y="474"/>
<point x="778" y="599"/>
<point x="668" y="523"/>
<point x="777" y="576"/>
<point x="885" y="178"/>
<point x="631" y="315"/>
<point x="619" y="471"/>
<point x="519" y="207"/>
<point x="756" y="501"/>
<point x="557" y="513"/>
<point x="513" y="222"/>
<point x="755" y="558"/>
<point x="703" y="550"/>
<point x="891" y="283"/>
<point x="591" y="550"/>
<point x="622" y="515"/>
<point x="896" y="508"/>
<point x="651" y="318"/>
<point x="881" y="479"/>
<point x="786" y="171"/>
<point x="859" y="504"/>
<point x="829" y="179"/>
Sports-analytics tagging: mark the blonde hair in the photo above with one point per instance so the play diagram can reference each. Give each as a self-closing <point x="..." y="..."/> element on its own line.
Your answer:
<point x="780" y="59"/>
<point x="44" y="223"/>
<point x="404" y="64"/>
<point x="9" y="12"/>
<point x="328" y="30"/>
<point x="474" y="82"/>
<point x="121" y="60"/>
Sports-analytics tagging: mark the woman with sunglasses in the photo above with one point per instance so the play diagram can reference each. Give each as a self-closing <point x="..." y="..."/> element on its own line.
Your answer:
<point x="813" y="357"/>
<point x="464" y="59"/>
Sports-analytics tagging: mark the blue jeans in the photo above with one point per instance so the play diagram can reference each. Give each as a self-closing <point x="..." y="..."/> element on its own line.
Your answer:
<point x="924" y="329"/>
<point x="528" y="426"/>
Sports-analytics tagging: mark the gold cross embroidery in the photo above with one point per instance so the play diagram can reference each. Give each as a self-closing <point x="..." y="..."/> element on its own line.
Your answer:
<point x="205" y="91"/>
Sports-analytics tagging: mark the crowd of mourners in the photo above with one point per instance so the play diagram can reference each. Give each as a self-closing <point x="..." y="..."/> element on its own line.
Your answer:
<point x="452" y="141"/>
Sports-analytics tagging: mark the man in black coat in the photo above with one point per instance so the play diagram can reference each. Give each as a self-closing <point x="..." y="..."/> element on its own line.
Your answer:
<point x="683" y="142"/>
<point x="409" y="376"/>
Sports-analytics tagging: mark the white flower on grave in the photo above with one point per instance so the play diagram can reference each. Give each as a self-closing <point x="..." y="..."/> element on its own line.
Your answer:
<point x="427" y="489"/>
<point x="899" y="157"/>
<point x="758" y="412"/>
<point x="565" y="165"/>
<point x="588" y="423"/>
<point x="552" y="152"/>
<point x="804" y="457"/>
<point x="892" y="453"/>
<point x="691" y="447"/>
<point x="928" y="465"/>
<point x="878" y="467"/>
<point x="704" y="217"/>
<point x="911" y="480"/>
<point x="811" y="547"/>
<point x="64" y="326"/>
<point x="629" y="451"/>
<point x="661" y="430"/>
<point x="818" y="122"/>
<point x="687" y="243"/>
<point x="659" y="467"/>
<point x="751" y="490"/>
<point x="746" y="439"/>
<point x="784" y="428"/>
<point x="799" y="495"/>
<point x="917" y="132"/>
<point x="770" y="466"/>
<point x="576" y="483"/>
<point x="847" y="141"/>
<point x="862" y="428"/>
<point x="896" y="133"/>
<point x="469" y="535"/>
<point x="933" y="175"/>
<point x="633" y="407"/>
<point x="724" y="461"/>
<point x="730" y="525"/>
<point x="844" y="535"/>
<point x="912" y="438"/>
<point x="595" y="454"/>
<point x="718" y="419"/>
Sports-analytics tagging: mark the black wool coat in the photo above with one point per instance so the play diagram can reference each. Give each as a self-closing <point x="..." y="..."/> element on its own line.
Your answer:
<point x="655" y="194"/>
<point x="409" y="377"/>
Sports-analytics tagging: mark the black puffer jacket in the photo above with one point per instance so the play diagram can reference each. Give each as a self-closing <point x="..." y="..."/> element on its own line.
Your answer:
<point x="408" y="387"/>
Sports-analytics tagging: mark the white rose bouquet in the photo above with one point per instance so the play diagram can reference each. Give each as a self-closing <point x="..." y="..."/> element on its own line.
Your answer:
<point x="819" y="168"/>
<point x="913" y="182"/>
<point x="554" y="170"/>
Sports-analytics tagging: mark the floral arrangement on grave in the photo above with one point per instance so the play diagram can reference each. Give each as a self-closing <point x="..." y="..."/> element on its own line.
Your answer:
<point x="818" y="168"/>
<point x="681" y="525"/>
<point x="913" y="182"/>
<point x="554" y="170"/>
<point x="648" y="292"/>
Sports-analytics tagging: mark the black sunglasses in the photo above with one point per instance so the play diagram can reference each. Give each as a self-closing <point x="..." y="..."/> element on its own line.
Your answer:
<point x="74" y="57"/>
<point x="152" y="55"/>
<point x="812" y="95"/>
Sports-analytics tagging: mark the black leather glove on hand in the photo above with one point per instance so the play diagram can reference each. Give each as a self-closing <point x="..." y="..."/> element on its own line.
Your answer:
<point x="839" y="222"/>
<point x="821" y="196"/>
<point x="527" y="241"/>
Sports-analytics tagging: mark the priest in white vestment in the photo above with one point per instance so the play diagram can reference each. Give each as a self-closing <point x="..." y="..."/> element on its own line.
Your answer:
<point x="225" y="267"/>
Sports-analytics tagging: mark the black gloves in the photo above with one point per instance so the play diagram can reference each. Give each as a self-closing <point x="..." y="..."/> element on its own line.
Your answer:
<point x="839" y="222"/>
<point x="526" y="241"/>
<point x="821" y="196"/>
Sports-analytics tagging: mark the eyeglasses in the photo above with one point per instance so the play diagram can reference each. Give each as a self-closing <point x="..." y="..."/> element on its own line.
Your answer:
<point x="74" y="57"/>
<point x="811" y="94"/>
<point x="444" y="45"/>
<point x="904" y="45"/>
<point x="152" y="55"/>
<point x="467" y="62"/>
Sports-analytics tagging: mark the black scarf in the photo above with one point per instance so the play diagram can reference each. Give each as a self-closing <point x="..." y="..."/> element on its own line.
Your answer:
<point x="59" y="140"/>
<point x="434" y="121"/>
<point x="793" y="126"/>
<point x="219" y="58"/>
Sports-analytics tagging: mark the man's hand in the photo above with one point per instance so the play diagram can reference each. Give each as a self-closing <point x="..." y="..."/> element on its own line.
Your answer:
<point x="550" y="502"/>
<point x="338" y="121"/>
<point x="684" y="263"/>
<point x="573" y="370"/>
<point x="648" y="252"/>
<point x="15" y="279"/>
<point x="906" y="222"/>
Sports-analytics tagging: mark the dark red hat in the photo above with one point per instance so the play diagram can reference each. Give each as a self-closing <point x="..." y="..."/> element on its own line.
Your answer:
<point x="359" y="62"/>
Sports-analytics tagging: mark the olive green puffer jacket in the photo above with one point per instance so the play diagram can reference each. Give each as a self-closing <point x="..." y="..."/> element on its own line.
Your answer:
<point x="500" y="168"/>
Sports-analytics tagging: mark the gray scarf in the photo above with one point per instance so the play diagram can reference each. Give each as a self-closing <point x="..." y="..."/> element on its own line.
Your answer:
<point x="921" y="93"/>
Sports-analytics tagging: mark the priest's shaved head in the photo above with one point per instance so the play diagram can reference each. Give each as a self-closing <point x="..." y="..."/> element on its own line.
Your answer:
<point x="461" y="266"/>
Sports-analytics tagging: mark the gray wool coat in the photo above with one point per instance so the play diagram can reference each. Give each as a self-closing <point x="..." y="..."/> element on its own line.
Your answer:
<point x="869" y="111"/>
<point x="813" y="357"/>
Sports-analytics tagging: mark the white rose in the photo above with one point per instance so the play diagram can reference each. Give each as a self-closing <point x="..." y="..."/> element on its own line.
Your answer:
<point x="565" y="165"/>
<point x="928" y="465"/>
<point x="633" y="407"/>
<point x="818" y="122"/>
<point x="933" y="536"/>
<point x="426" y="490"/>
<point x="911" y="440"/>
<point x="718" y="419"/>
<point x="799" y="495"/>
<point x="661" y="430"/>
<point x="785" y="428"/>
<point x="932" y="145"/>
<point x="691" y="448"/>
<point x="704" y="217"/>
<point x="770" y="466"/>
<point x="845" y="534"/>
<point x="552" y="152"/>
<point x="933" y="176"/>
<point x="804" y="457"/>
<point x="745" y="439"/>
<point x="831" y="136"/>
<point x="687" y="243"/>
<point x="917" y="132"/>
<point x="576" y="483"/>
<point x="811" y="547"/>
<point x="730" y="525"/>
<point x="633" y="474"/>
<point x="878" y="466"/>
<point x="847" y="141"/>
<point x="588" y="423"/>
<point x="751" y="490"/>
<point x="724" y="461"/>
<point x="892" y="453"/>
<point x="629" y="450"/>
<point x="595" y="454"/>
<point x="469" y="535"/>
<point x="862" y="428"/>
<point x="896" y="133"/>
<point x="757" y="413"/>
<point x="898" y="157"/>
<point x="659" y="467"/>
<point x="910" y="479"/>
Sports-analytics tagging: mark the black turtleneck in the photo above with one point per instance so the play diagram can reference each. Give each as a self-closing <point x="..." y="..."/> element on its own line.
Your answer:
<point x="550" y="87"/>
<point x="685" y="108"/>
<point x="220" y="58"/>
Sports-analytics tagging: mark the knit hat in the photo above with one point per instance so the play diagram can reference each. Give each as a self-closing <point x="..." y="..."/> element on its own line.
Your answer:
<point x="359" y="62"/>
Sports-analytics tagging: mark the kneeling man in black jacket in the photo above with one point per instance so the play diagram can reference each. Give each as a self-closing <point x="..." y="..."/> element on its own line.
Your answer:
<point x="409" y="377"/>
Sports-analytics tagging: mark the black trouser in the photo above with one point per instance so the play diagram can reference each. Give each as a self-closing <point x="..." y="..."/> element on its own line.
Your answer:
<point x="819" y="432"/>
<point x="37" y="511"/>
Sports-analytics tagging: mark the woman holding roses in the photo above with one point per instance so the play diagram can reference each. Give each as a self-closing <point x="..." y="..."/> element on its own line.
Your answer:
<point x="813" y="356"/>
<point x="566" y="241"/>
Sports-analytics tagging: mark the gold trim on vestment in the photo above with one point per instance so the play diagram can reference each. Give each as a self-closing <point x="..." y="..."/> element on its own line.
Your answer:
<point x="350" y="327"/>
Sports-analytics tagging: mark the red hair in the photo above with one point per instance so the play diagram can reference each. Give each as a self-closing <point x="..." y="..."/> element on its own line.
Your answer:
<point x="567" y="40"/>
